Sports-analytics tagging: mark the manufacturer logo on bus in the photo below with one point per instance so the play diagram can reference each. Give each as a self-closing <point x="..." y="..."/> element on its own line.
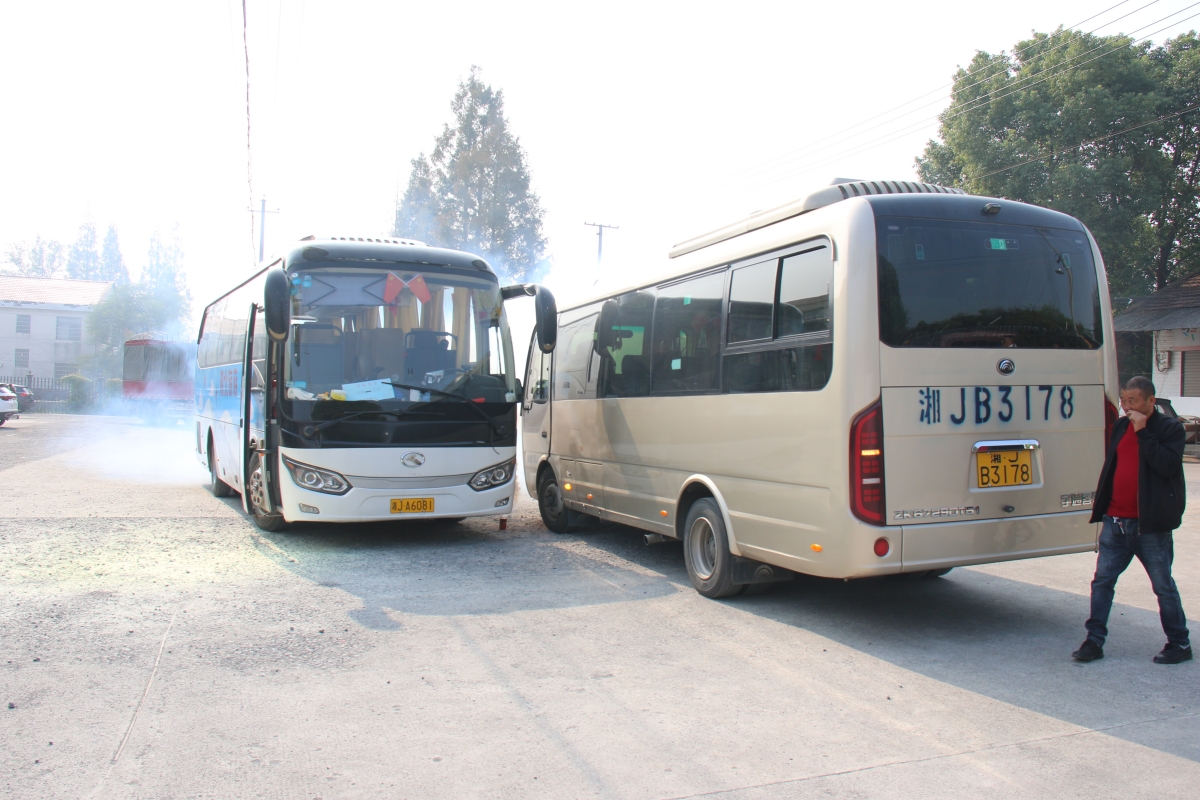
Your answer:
<point x="1006" y="366"/>
<point x="413" y="459"/>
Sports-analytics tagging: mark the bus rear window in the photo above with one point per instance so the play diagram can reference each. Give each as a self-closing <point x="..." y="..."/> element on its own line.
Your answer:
<point x="945" y="283"/>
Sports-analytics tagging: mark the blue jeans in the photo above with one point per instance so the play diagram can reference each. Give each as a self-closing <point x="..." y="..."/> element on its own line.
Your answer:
<point x="1120" y="541"/>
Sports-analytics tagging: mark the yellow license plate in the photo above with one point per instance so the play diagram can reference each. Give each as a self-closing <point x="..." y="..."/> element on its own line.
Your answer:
<point x="412" y="505"/>
<point x="1004" y="468"/>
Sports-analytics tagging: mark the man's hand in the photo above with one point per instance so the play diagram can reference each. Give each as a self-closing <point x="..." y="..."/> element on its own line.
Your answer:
<point x="1138" y="419"/>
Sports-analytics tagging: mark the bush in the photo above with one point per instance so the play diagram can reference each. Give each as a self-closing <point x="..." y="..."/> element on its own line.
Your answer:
<point x="79" y="391"/>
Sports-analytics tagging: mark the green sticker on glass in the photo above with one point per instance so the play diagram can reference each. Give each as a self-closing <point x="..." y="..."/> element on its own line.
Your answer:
<point x="997" y="244"/>
<point x="687" y="301"/>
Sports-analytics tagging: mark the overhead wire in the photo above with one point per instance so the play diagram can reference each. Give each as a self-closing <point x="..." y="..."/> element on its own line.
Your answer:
<point x="249" y="170"/>
<point x="1089" y="142"/>
<point x="1017" y="86"/>
<point x="801" y="151"/>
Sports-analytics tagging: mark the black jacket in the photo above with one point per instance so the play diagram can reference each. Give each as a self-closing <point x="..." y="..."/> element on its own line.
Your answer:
<point x="1161" y="493"/>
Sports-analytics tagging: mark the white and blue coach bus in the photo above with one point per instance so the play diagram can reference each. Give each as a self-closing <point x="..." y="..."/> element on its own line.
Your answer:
<point x="363" y="379"/>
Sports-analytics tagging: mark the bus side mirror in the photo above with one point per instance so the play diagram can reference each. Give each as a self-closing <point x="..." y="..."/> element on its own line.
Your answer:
<point x="547" y="319"/>
<point x="545" y="310"/>
<point x="278" y="302"/>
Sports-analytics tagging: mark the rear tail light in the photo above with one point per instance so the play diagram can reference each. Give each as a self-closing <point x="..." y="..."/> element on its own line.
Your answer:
<point x="1110" y="418"/>
<point x="882" y="547"/>
<point x="866" y="464"/>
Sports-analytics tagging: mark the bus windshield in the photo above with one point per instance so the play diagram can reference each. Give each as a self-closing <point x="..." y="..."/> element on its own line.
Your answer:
<point x="395" y="334"/>
<point x="945" y="283"/>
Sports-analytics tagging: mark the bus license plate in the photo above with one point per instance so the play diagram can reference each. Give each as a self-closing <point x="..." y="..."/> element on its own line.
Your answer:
<point x="412" y="505"/>
<point x="1004" y="468"/>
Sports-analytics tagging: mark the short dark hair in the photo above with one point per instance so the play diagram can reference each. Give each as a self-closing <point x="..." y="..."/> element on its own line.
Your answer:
<point x="1142" y="384"/>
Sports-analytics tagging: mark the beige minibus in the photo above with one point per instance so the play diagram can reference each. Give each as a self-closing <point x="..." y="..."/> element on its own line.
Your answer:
<point x="881" y="377"/>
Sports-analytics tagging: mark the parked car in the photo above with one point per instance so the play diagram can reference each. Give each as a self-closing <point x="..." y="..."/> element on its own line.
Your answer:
<point x="8" y="404"/>
<point x="24" y="396"/>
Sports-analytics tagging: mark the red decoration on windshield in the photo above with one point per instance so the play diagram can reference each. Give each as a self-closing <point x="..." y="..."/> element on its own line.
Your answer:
<point x="395" y="284"/>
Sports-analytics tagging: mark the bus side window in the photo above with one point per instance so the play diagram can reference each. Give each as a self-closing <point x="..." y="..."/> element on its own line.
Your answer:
<point x="537" y="376"/>
<point x="751" y="300"/>
<point x="687" y="327"/>
<point x="625" y="364"/>
<point x="804" y="281"/>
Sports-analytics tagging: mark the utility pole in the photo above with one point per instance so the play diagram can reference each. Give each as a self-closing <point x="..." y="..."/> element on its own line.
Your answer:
<point x="262" y="225"/>
<point x="600" y="238"/>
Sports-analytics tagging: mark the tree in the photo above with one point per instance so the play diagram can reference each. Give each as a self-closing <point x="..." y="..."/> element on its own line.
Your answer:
<point x="112" y="263"/>
<point x="473" y="192"/>
<point x="42" y="259"/>
<point x="1081" y="124"/>
<point x="83" y="259"/>
<point x="126" y="310"/>
<point x="163" y="276"/>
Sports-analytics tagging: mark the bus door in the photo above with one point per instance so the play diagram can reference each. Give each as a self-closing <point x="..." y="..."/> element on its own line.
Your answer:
<point x="253" y="399"/>
<point x="535" y="412"/>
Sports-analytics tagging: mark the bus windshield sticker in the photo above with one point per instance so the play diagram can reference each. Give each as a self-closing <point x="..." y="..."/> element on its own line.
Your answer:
<point x="369" y="390"/>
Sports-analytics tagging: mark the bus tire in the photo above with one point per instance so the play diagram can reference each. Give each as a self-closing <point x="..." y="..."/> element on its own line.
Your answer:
<point x="550" y="503"/>
<point x="219" y="487"/>
<point x="706" y="550"/>
<point x="937" y="573"/>
<point x="256" y="499"/>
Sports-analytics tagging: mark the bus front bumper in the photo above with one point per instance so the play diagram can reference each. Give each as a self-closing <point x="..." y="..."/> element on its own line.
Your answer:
<point x="373" y="505"/>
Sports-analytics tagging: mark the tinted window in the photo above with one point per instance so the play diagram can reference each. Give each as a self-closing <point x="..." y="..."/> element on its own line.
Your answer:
<point x="804" y="281"/>
<point x="790" y="369"/>
<point x="751" y="298"/>
<point x="944" y="283"/>
<point x="687" y="330"/>
<point x="537" y="376"/>
<point x="623" y="332"/>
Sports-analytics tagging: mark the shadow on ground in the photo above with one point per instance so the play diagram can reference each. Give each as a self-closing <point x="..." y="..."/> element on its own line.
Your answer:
<point x="995" y="636"/>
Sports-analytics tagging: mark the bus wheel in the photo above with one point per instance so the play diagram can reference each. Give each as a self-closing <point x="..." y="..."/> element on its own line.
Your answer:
<point x="550" y="503"/>
<point x="706" y="550"/>
<point x="256" y="493"/>
<point x="219" y="487"/>
<point x="937" y="573"/>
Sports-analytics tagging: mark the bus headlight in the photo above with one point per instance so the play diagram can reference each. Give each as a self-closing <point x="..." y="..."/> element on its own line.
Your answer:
<point x="316" y="479"/>
<point x="491" y="477"/>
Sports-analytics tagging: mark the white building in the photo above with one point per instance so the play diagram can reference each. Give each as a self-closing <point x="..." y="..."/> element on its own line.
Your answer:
<point x="42" y="324"/>
<point x="1172" y="317"/>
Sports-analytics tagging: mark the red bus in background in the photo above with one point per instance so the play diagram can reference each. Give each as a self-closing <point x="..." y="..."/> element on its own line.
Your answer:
<point x="157" y="377"/>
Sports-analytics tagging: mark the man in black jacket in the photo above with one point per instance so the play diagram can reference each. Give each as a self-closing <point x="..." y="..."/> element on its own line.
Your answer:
<point x="1140" y="500"/>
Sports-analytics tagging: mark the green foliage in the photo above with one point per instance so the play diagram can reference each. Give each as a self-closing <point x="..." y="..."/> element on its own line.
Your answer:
<point x="126" y="310"/>
<point x="112" y="263"/>
<point x="473" y="193"/>
<point x="79" y="392"/>
<point x="163" y="277"/>
<point x="1016" y="123"/>
<point x="42" y="259"/>
<point x="83" y="259"/>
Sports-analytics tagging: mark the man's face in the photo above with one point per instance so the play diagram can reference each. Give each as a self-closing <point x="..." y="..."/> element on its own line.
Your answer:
<point x="1134" y="400"/>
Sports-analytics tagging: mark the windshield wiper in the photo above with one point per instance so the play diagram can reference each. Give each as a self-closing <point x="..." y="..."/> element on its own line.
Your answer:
<point x="470" y="403"/>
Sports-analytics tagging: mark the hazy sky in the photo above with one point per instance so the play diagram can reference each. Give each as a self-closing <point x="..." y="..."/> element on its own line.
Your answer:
<point x="665" y="119"/>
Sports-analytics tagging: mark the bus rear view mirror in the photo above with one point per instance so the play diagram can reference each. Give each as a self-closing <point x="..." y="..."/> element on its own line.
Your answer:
<point x="277" y="298"/>
<point x="547" y="319"/>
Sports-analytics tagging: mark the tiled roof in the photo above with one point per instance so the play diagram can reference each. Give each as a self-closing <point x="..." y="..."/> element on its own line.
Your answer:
<point x="56" y="291"/>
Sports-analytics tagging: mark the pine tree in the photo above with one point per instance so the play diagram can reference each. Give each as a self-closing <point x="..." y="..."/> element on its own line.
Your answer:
<point x="473" y="192"/>
<point x="42" y="259"/>
<point x="83" y="259"/>
<point x="163" y="278"/>
<point x="112" y="263"/>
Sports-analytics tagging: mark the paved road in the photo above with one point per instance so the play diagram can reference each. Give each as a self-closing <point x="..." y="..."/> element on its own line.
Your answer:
<point x="156" y="645"/>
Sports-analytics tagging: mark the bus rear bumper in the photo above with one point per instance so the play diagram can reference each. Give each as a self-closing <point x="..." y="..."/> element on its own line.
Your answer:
<point x="961" y="544"/>
<point x="374" y="505"/>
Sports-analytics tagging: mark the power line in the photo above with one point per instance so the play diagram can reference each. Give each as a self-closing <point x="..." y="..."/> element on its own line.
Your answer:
<point x="838" y="134"/>
<point x="1090" y="141"/>
<point x="249" y="171"/>
<point x="1019" y="85"/>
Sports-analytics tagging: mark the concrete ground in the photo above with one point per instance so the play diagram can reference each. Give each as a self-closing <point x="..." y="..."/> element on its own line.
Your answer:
<point x="155" y="644"/>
